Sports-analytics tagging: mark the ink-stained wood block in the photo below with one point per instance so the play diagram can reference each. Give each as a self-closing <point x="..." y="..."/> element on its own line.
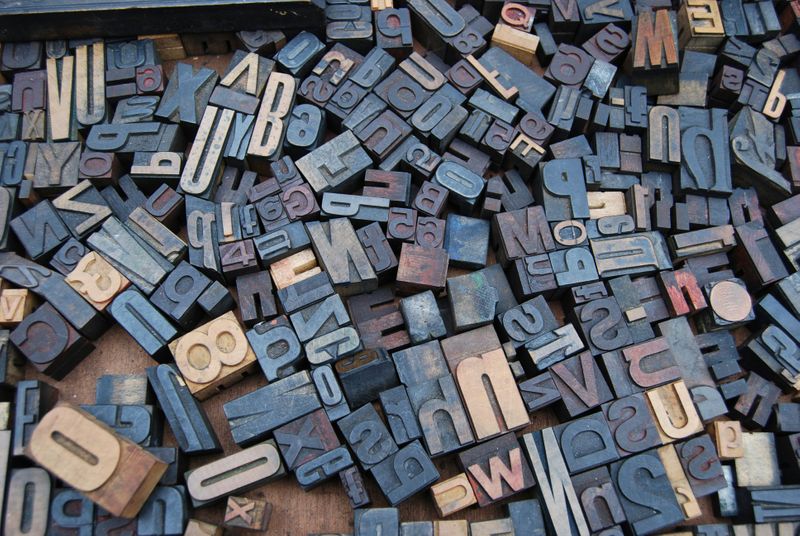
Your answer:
<point x="399" y="485"/>
<point x="580" y="383"/>
<point x="50" y="342"/>
<point x="323" y="468"/>
<point x="421" y="269"/>
<point x="33" y="399"/>
<point x="235" y="473"/>
<point x="221" y="341"/>
<point x="365" y="375"/>
<point x="631" y="424"/>
<point x="378" y="320"/>
<point x="586" y="443"/>
<point x="377" y="249"/>
<point x="466" y="241"/>
<point x="521" y="233"/>
<point x="306" y="438"/>
<point x="645" y="492"/>
<point x="353" y="484"/>
<point x="453" y="495"/>
<point x="431" y="401"/>
<point x="376" y="520"/>
<point x="40" y="230"/>
<point x="563" y="513"/>
<point x="727" y="436"/>
<point x="430" y="232"/>
<point x="248" y="514"/>
<point x="341" y="254"/>
<point x="423" y="320"/>
<point x="603" y="325"/>
<point x="122" y="478"/>
<point x="699" y="459"/>
<point x="399" y="415"/>
<point x="503" y="460"/>
<point x="599" y="498"/>
<point x="687" y="501"/>
<point x="755" y="405"/>
<point x="473" y="300"/>
<point x="259" y="412"/>
<point x="28" y="501"/>
<point x="196" y="527"/>
<point x="141" y="424"/>
<point x="420" y="363"/>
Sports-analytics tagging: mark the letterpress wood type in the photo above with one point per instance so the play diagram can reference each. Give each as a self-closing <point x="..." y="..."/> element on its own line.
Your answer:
<point x="60" y="80"/>
<point x="15" y="305"/>
<point x="399" y="484"/>
<point x="376" y="520"/>
<point x="562" y="508"/>
<point x="599" y="498"/>
<point x="330" y="392"/>
<point x="28" y="501"/>
<point x="496" y="469"/>
<point x="400" y="417"/>
<point x="552" y="347"/>
<point x="135" y="260"/>
<point x="699" y="459"/>
<point x="40" y="230"/>
<point x="248" y="514"/>
<point x="143" y="322"/>
<point x="187" y="94"/>
<point x="235" y="473"/>
<point x="580" y="383"/>
<point x="353" y="484"/>
<point x="421" y="269"/>
<point x="335" y="165"/>
<point x="123" y="475"/>
<point x="259" y="412"/>
<point x="96" y="280"/>
<point x="50" y="342"/>
<point x="432" y="401"/>
<point x="474" y="355"/>
<point x="71" y="513"/>
<point x="673" y="411"/>
<point x="306" y="438"/>
<point x="422" y="318"/>
<point x="230" y="357"/>
<point x="186" y="418"/>
<point x="603" y="325"/>
<point x="453" y="495"/>
<point x="33" y="399"/>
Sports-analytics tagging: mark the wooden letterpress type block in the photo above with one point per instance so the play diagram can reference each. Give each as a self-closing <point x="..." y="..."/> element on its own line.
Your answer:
<point x="466" y="241"/>
<point x="257" y="413"/>
<point x="366" y="434"/>
<point x="135" y="260"/>
<point x="603" y="325"/>
<point x="96" y="280"/>
<point x="179" y="293"/>
<point x="420" y="364"/>
<point x="165" y="512"/>
<point x="350" y="163"/>
<point x="727" y="436"/>
<point x="586" y="443"/>
<point x="151" y="168"/>
<point x="756" y="404"/>
<point x="453" y="495"/>
<point x="562" y="508"/>
<point x="129" y="474"/>
<point x="13" y="158"/>
<point x="330" y="392"/>
<point x="646" y="493"/>
<point x="256" y="301"/>
<point x="143" y="322"/>
<point x="306" y="438"/>
<point x="599" y="498"/>
<point x="70" y="513"/>
<point x="203" y="165"/>
<point x="294" y="268"/>
<point x="580" y="383"/>
<point x="422" y="317"/>
<point x="60" y="81"/>
<point x="759" y="465"/>
<point x="552" y="347"/>
<point x="15" y="305"/>
<point x="508" y="471"/>
<point x="473" y="300"/>
<point x="101" y="169"/>
<point x="472" y="356"/>
<point x="698" y="456"/>
<point x="230" y="357"/>
<point x="430" y="401"/>
<point x="393" y="31"/>
<point x="430" y="232"/>
<point x="398" y="485"/>
<point x="402" y="224"/>
<point x="249" y="514"/>
<point x="378" y="320"/>
<point x="673" y="411"/>
<point x="305" y="292"/>
<point x="376" y="520"/>
<point x="139" y="423"/>
<point x="754" y="168"/>
<point x="238" y="258"/>
<point x="399" y="415"/>
<point x="421" y="269"/>
<point x="353" y="484"/>
<point x="651" y="363"/>
<point x="29" y="91"/>
<point x="124" y="197"/>
<point x="28" y="501"/>
<point x="235" y="473"/>
<point x="276" y="346"/>
<point x="184" y="414"/>
<point x="392" y="185"/>
<point x="195" y="527"/>
<point x="40" y="230"/>
<point x="365" y="375"/>
<point x="141" y="108"/>
<point x="187" y="94"/>
<point x="320" y="318"/>
<point x="50" y="342"/>
<point x="156" y="235"/>
<point x="757" y="254"/>
<point x="679" y="482"/>
<point x="527" y="321"/>
<point x="33" y="399"/>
